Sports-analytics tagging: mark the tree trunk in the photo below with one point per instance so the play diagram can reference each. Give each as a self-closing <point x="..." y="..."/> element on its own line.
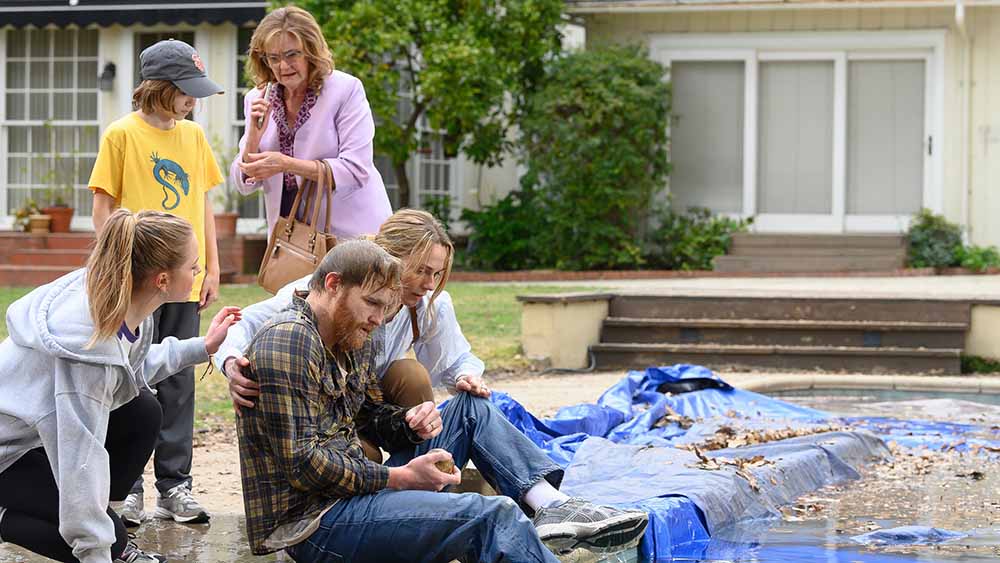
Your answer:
<point x="402" y="182"/>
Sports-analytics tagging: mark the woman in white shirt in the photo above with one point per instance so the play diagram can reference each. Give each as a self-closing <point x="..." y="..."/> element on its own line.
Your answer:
<point x="424" y="321"/>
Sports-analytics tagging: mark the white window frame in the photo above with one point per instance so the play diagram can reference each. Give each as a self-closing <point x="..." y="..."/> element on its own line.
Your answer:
<point x="244" y="225"/>
<point x="841" y="48"/>
<point x="7" y="220"/>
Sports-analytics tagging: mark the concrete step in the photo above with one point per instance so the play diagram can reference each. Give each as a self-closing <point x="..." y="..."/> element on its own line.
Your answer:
<point x="754" y="332"/>
<point x="45" y="257"/>
<point x="796" y="264"/>
<point x="29" y="276"/>
<point x="936" y="361"/>
<point x="789" y="308"/>
<point x="818" y="252"/>
<point x="70" y="241"/>
<point x="793" y="240"/>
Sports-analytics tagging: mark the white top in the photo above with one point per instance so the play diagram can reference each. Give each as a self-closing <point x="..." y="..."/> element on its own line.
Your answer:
<point x="442" y="347"/>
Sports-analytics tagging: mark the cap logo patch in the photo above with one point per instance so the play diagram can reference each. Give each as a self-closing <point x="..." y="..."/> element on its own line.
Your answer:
<point x="197" y="62"/>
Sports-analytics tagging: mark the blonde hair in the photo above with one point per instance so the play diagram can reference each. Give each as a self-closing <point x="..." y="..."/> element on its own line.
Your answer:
<point x="411" y="234"/>
<point x="155" y="96"/>
<point x="299" y="24"/>
<point x="131" y="248"/>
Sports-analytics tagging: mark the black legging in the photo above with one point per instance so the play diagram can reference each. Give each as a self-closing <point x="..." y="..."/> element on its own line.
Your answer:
<point x="29" y="493"/>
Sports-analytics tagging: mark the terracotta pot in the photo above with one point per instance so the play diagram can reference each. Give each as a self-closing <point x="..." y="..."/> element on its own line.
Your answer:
<point x="39" y="223"/>
<point x="62" y="217"/>
<point x="225" y="224"/>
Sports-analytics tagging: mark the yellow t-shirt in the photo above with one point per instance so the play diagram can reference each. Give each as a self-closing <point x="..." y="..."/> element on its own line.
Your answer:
<point x="144" y="167"/>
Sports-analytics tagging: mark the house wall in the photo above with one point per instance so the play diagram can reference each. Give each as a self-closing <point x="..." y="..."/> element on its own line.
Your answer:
<point x="982" y="138"/>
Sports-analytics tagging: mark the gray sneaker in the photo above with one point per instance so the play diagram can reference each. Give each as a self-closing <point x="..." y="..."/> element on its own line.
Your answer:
<point x="577" y="523"/>
<point x="178" y="505"/>
<point x="130" y="510"/>
<point x="133" y="554"/>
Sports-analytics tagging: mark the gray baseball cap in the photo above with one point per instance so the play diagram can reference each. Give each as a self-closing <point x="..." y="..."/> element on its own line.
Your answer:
<point x="179" y="63"/>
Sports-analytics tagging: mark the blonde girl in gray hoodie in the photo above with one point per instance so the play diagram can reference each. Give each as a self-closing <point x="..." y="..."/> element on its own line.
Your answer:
<point x="75" y="432"/>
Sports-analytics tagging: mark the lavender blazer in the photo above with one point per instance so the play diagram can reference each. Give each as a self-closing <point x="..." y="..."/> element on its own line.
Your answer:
<point x="340" y="130"/>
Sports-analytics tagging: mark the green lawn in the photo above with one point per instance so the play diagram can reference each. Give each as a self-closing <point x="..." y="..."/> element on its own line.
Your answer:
<point x="489" y="314"/>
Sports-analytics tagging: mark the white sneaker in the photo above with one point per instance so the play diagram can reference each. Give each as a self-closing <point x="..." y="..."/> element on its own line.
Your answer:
<point x="179" y="505"/>
<point x="130" y="510"/>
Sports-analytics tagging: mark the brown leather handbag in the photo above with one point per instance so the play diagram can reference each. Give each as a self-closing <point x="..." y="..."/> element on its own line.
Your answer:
<point x="295" y="248"/>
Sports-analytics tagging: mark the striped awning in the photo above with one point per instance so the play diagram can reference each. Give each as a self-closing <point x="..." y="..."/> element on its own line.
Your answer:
<point x="42" y="13"/>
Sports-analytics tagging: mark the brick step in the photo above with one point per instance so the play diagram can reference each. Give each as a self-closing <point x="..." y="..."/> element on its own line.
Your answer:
<point x="789" y="308"/>
<point x="71" y="258"/>
<point x="30" y="276"/>
<point x="818" y="241"/>
<point x="806" y="264"/>
<point x="70" y="241"/>
<point x="886" y="360"/>
<point x="749" y="332"/>
<point x="819" y="252"/>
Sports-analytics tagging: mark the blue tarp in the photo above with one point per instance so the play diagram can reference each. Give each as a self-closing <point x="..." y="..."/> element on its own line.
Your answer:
<point x="620" y="451"/>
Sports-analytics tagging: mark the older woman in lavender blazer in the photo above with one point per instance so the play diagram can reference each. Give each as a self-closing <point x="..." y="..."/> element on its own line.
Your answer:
<point x="310" y="112"/>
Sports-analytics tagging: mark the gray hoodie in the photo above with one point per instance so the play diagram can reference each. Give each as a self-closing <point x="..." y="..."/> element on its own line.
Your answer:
<point x="57" y="394"/>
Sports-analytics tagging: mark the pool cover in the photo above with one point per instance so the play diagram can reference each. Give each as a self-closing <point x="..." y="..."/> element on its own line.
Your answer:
<point x="622" y="450"/>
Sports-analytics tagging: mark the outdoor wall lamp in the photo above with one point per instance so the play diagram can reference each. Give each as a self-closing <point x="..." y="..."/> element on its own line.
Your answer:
<point x="108" y="77"/>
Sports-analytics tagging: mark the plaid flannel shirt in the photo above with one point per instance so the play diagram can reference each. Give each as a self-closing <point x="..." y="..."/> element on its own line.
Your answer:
<point x="299" y="447"/>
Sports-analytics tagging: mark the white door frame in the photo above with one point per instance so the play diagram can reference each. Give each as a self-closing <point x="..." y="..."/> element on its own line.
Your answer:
<point x="841" y="47"/>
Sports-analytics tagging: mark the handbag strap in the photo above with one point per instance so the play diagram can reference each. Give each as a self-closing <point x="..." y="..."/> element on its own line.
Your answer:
<point x="324" y="179"/>
<point x="414" y="324"/>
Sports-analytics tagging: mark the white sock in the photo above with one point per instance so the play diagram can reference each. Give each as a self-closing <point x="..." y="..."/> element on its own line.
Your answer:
<point x="543" y="494"/>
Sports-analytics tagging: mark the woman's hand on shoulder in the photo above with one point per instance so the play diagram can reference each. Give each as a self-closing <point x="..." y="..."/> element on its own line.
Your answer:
<point x="219" y="328"/>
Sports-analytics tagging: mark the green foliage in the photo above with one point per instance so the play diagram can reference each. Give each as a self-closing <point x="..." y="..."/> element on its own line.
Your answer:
<point x="689" y="240"/>
<point x="593" y="141"/>
<point x="978" y="364"/>
<point x="22" y="215"/>
<point x="508" y="235"/>
<point x="933" y="241"/>
<point x="468" y="63"/>
<point x="978" y="258"/>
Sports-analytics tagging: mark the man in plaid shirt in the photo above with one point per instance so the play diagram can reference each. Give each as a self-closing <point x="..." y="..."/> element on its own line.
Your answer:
<point x="308" y="487"/>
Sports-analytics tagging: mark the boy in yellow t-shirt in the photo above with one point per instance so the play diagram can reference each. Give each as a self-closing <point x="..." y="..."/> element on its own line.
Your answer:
<point x="155" y="159"/>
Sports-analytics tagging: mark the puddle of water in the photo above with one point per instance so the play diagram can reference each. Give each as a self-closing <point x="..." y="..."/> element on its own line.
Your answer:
<point x="223" y="539"/>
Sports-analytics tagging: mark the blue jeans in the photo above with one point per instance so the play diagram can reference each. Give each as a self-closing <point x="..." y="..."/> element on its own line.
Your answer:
<point x="426" y="526"/>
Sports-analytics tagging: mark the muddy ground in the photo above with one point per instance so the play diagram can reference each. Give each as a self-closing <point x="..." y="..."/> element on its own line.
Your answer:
<point x="933" y="488"/>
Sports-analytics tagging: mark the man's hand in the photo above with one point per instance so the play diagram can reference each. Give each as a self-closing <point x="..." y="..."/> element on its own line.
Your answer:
<point x="473" y="385"/>
<point x="425" y="420"/>
<point x="241" y="389"/>
<point x="422" y="475"/>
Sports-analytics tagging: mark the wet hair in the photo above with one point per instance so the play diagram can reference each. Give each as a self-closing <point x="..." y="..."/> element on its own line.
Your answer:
<point x="155" y="96"/>
<point x="131" y="248"/>
<point x="412" y="233"/>
<point x="359" y="263"/>
<point x="299" y="24"/>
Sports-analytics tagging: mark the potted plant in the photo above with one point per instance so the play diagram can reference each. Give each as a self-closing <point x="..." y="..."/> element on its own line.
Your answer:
<point x="225" y="221"/>
<point x="30" y="219"/>
<point x="227" y="196"/>
<point x="59" y="208"/>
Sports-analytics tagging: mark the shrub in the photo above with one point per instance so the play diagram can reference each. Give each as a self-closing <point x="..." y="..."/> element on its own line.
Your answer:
<point x="593" y="141"/>
<point x="978" y="258"/>
<point x="689" y="240"/>
<point x="933" y="241"/>
<point x="508" y="235"/>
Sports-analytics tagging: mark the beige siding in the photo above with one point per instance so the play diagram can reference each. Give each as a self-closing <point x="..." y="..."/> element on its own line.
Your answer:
<point x="983" y="26"/>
